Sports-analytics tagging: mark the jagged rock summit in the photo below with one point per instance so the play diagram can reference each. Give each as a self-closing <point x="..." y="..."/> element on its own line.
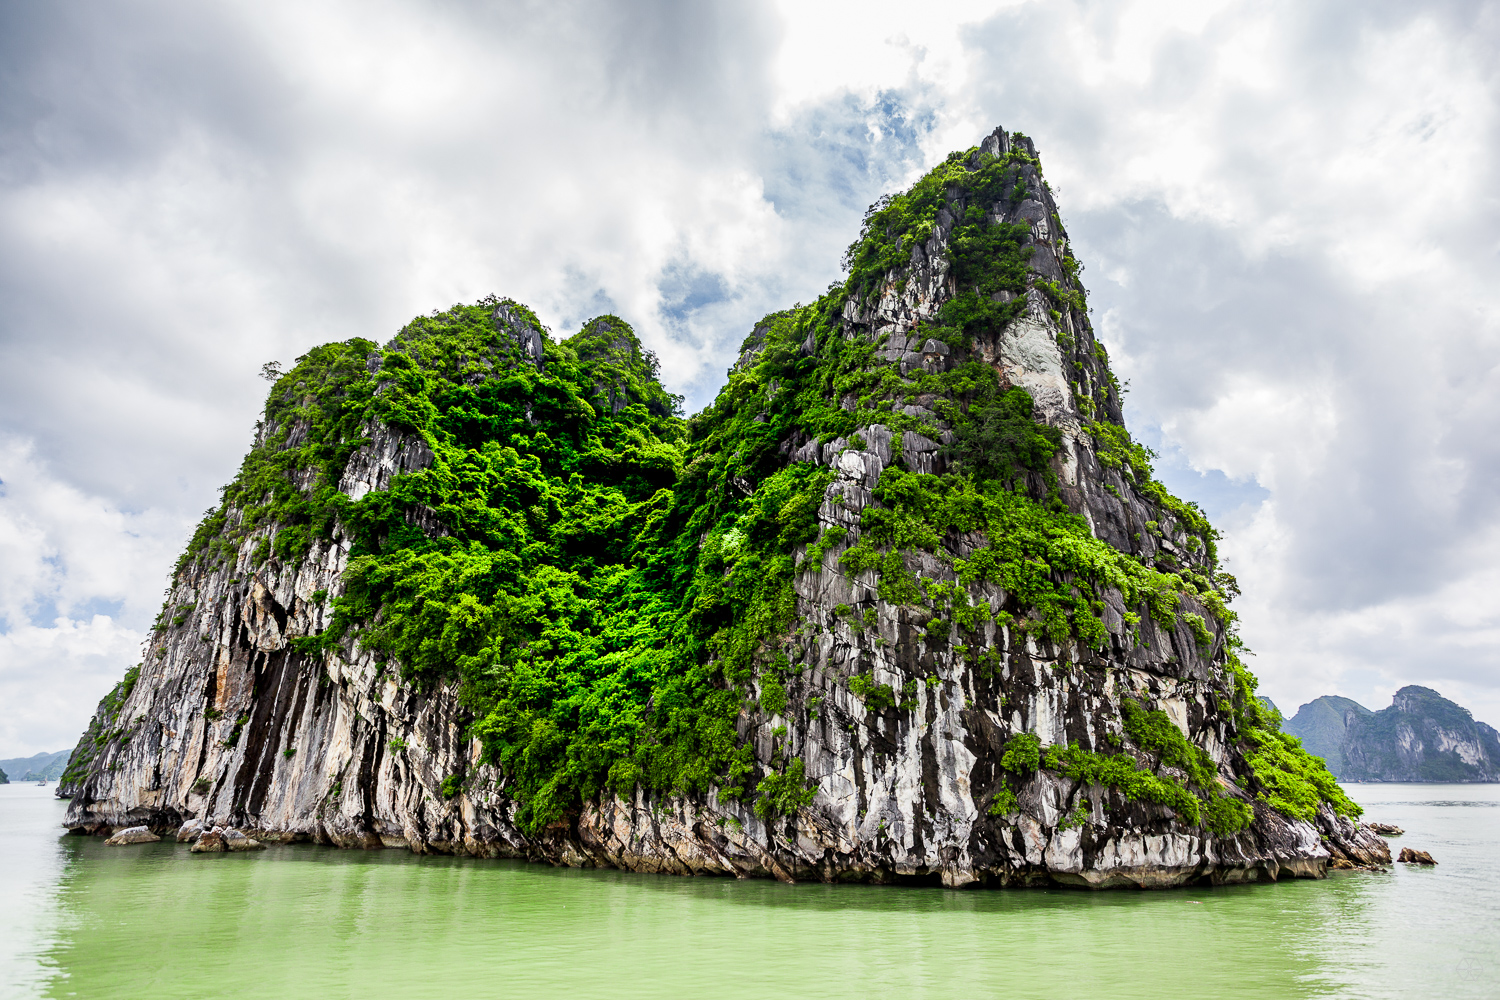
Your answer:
<point x="905" y="603"/>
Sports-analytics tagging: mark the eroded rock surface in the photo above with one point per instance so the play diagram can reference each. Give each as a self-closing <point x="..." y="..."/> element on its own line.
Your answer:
<point x="133" y="835"/>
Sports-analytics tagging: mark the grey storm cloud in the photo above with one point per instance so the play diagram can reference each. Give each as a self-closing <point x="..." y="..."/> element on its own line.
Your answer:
<point x="1285" y="211"/>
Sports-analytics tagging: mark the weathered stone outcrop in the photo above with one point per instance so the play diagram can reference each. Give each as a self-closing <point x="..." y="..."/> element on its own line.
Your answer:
<point x="231" y="724"/>
<point x="133" y="835"/>
<point x="210" y="842"/>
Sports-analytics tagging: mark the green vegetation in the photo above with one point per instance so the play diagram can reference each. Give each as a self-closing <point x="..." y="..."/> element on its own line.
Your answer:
<point x="783" y="794"/>
<point x="1044" y="555"/>
<point x="1004" y="802"/>
<point x="1155" y="733"/>
<point x="1022" y="754"/>
<point x="988" y="259"/>
<point x="1121" y="771"/>
<point x="772" y="696"/>
<point x="1292" y="780"/>
<point x="233" y="739"/>
<point x="1021" y="757"/>
<point x="1286" y="776"/>
<point x="568" y="590"/>
<point x="1117" y="451"/>
<point x="103" y="729"/>
<point x="876" y="697"/>
<point x="1001" y="439"/>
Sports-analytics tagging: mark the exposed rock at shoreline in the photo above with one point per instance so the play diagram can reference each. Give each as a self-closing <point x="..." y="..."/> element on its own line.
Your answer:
<point x="133" y="835"/>
<point x="222" y="839"/>
<point x="1413" y="857"/>
<point x="209" y="842"/>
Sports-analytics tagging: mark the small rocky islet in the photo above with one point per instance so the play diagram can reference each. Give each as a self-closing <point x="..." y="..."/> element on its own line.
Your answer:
<point x="904" y="604"/>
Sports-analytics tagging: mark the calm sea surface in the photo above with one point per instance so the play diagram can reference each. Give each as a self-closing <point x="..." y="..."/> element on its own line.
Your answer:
<point x="81" y="919"/>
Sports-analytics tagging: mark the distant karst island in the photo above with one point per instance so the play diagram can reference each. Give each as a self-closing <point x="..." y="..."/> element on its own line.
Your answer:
<point x="1422" y="736"/>
<point x="38" y="767"/>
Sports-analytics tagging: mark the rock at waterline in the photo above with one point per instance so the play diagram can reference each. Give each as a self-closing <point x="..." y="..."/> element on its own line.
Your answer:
<point x="190" y="831"/>
<point x="133" y="835"/>
<point x="210" y="842"/>
<point x="1412" y="857"/>
<point x="237" y="841"/>
<point x="219" y="840"/>
<point x="1386" y="829"/>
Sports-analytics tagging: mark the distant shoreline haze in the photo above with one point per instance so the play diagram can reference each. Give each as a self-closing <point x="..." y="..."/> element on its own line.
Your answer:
<point x="37" y="767"/>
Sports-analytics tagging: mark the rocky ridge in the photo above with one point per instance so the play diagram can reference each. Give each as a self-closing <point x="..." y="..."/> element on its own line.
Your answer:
<point x="1421" y="736"/>
<point x="886" y="727"/>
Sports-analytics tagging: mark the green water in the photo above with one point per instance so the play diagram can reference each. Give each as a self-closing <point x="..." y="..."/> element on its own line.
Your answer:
<point x="81" y="919"/>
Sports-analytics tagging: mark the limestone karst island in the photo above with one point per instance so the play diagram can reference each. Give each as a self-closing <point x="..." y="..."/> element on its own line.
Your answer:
<point x="905" y="604"/>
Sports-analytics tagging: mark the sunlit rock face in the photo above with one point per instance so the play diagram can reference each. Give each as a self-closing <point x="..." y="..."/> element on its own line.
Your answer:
<point x="986" y="649"/>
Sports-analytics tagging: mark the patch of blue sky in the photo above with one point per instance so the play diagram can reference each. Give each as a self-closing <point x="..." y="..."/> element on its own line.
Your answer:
<point x="685" y="289"/>
<point x="1222" y="498"/>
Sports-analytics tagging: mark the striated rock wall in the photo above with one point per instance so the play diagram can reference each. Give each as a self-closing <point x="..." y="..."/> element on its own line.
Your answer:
<point x="230" y="723"/>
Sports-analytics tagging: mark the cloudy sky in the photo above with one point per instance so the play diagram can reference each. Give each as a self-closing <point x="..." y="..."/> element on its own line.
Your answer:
<point x="1287" y="212"/>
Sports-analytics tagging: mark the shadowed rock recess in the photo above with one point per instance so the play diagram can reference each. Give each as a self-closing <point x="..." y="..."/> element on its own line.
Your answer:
<point x="904" y="604"/>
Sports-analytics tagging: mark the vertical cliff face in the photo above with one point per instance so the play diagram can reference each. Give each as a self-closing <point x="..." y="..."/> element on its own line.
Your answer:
<point x="904" y="603"/>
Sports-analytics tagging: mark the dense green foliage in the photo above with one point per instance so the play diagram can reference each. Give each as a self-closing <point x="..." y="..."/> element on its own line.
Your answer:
<point x="1286" y="776"/>
<point x="1293" y="781"/>
<point x="1022" y="754"/>
<point x="1045" y="556"/>
<point x="1001" y="439"/>
<point x="1117" y="451"/>
<point x="988" y="257"/>
<point x="1123" y="772"/>
<point x="598" y="643"/>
